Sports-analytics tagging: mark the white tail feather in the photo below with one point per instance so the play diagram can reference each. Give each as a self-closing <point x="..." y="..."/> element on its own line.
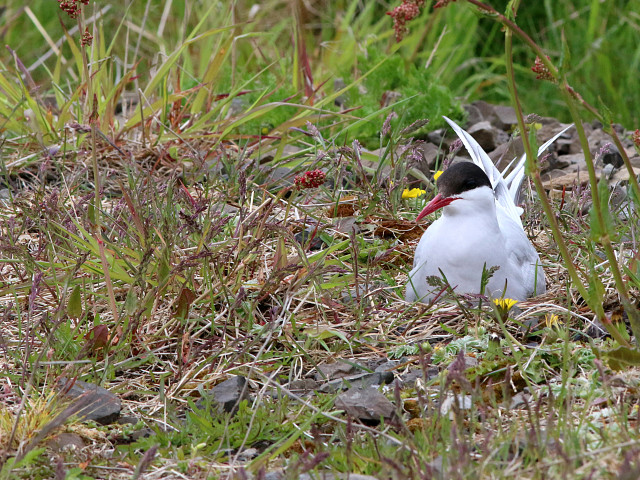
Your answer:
<point x="507" y="189"/>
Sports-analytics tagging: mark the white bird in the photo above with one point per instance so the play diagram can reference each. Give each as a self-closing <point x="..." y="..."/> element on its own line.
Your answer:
<point x="480" y="228"/>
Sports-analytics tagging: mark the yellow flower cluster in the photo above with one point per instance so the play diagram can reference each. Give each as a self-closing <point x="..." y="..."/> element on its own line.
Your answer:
<point x="505" y="304"/>
<point x="413" y="193"/>
<point x="437" y="174"/>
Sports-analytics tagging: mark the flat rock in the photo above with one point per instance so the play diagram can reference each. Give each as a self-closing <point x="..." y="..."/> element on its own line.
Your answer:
<point x="66" y="442"/>
<point x="504" y="117"/>
<point x="339" y="369"/>
<point x="226" y="396"/>
<point x="366" y="404"/>
<point x="362" y="380"/>
<point x="102" y="406"/>
<point x="567" y="181"/>
<point x="622" y="175"/>
<point x="575" y="159"/>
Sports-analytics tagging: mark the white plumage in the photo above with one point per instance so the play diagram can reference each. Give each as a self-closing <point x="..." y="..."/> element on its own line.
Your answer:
<point x="480" y="227"/>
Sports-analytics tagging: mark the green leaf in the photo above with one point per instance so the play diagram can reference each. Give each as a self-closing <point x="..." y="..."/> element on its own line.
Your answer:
<point x="607" y="227"/>
<point x="74" y="307"/>
<point x="131" y="302"/>
<point x="622" y="358"/>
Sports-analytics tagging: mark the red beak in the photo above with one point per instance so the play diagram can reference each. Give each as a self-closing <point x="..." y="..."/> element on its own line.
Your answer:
<point x="437" y="203"/>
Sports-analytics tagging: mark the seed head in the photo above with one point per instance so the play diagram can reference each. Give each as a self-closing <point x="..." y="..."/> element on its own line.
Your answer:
<point x="310" y="179"/>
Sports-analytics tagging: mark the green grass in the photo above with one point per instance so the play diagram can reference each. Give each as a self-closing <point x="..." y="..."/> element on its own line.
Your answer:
<point x="154" y="251"/>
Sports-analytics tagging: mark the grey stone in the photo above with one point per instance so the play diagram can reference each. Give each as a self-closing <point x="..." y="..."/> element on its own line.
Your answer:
<point x="607" y="171"/>
<point x="303" y="385"/>
<point x="361" y="380"/>
<point x="462" y="402"/>
<point x="506" y="152"/>
<point x="504" y="117"/>
<point x="387" y="366"/>
<point x="485" y="134"/>
<point x="425" y="161"/>
<point x="552" y="162"/>
<point x="346" y="225"/>
<point x="438" y="138"/>
<point x="551" y="174"/>
<point x="486" y="109"/>
<point x="474" y="115"/>
<point x="304" y="237"/>
<point x="575" y="159"/>
<point x="415" y="373"/>
<point x="612" y="156"/>
<point x="65" y="442"/>
<point x="225" y="396"/>
<point x="339" y="369"/>
<point x="366" y="404"/>
<point x="5" y="194"/>
<point x="103" y="406"/>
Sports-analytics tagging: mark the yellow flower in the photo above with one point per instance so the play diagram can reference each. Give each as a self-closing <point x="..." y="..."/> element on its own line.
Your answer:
<point x="505" y="304"/>
<point x="437" y="174"/>
<point x="552" y="320"/>
<point x="413" y="193"/>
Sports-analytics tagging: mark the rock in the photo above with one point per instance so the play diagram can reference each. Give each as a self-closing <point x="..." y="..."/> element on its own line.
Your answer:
<point x="552" y="174"/>
<point x="506" y="152"/>
<point x="430" y="154"/>
<point x="424" y="161"/>
<point x="304" y="237"/>
<point x="5" y="194"/>
<point x="65" y="442"/>
<point x="438" y="138"/>
<point x="462" y="402"/>
<point x="362" y="380"/>
<point x="611" y="156"/>
<point x="128" y="420"/>
<point x="485" y="135"/>
<point x="303" y="386"/>
<point x="607" y="171"/>
<point x="622" y="175"/>
<point x="504" y="117"/>
<point x="225" y="396"/>
<point x="339" y="369"/>
<point x="474" y="115"/>
<point x="346" y="225"/>
<point x="103" y="406"/>
<point x="386" y="366"/>
<point x="520" y="398"/>
<point x="367" y="405"/>
<point x="415" y="373"/>
<point x="575" y="159"/>
<point x="486" y="110"/>
<point x="279" y="177"/>
<point x="567" y="181"/>
<point x="565" y="146"/>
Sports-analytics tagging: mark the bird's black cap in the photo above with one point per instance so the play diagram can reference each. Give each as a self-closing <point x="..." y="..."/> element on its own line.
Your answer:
<point x="461" y="177"/>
